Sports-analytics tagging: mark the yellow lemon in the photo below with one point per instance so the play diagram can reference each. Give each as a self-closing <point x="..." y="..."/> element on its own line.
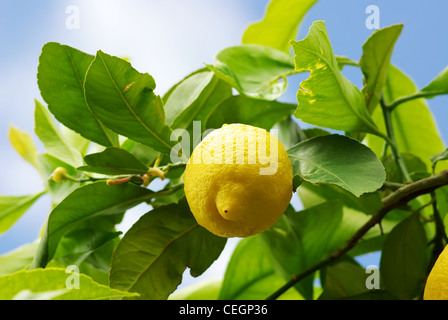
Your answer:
<point x="437" y="283"/>
<point x="238" y="181"/>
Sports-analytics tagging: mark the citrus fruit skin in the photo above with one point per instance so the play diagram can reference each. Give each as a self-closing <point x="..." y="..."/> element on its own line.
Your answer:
<point x="437" y="283"/>
<point x="231" y="187"/>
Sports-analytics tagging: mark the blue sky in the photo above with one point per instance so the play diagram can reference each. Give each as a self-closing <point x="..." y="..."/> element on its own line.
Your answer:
<point x="171" y="38"/>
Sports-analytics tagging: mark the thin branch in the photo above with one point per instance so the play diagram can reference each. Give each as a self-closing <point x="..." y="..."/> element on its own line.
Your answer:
<point x="417" y="95"/>
<point x="396" y="199"/>
<point x="393" y="142"/>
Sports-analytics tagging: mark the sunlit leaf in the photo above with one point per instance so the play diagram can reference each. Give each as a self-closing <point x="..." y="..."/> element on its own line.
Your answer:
<point x="23" y="144"/>
<point x="12" y="208"/>
<point x="327" y="99"/>
<point x="53" y="279"/>
<point x="413" y="123"/>
<point x="279" y="25"/>
<point x="50" y="135"/>
<point x="375" y="60"/>
<point x="18" y="259"/>
<point x="439" y="85"/>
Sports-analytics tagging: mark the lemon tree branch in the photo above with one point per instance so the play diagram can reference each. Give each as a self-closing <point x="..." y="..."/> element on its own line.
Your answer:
<point x="400" y="197"/>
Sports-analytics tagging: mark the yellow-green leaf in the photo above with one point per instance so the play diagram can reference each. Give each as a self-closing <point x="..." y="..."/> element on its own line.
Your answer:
<point x="279" y="25"/>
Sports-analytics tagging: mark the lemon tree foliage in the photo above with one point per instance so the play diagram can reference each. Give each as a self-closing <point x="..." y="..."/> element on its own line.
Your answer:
<point x="370" y="171"/>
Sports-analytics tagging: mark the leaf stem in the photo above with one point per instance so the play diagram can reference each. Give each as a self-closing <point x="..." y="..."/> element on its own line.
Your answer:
<point x="394" y="200"/>
<point x="416" y="95"/>
<point x="392" y="142"/>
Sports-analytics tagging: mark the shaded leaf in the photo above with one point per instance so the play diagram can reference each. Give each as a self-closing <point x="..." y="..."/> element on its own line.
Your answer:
<point x="113" y="161"/>
<point x="250" y="276"/>
<point x="124" y="100"/>
<point x="332" y="159"/>
<point x="279" y="25"/>
<point x="289" y="132"/>
<point x="88" y="201"/>
<point x="194" y="99"/>
<point x="61" y="73"/>
<point x="241" y="109"/>
<point x="345" y="279"/>
<point x="154" y="253"/>
<point x="404" y="259"/>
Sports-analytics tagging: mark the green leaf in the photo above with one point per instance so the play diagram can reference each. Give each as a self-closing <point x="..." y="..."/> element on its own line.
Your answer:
<point x="346" y="279"/>
<point x="23" y="144"/>
<point x="52" y="138"/>
<point x="375" y="60"/>
<point x="413" y="122"/>
<point x="194" y="99"/>
<point x="12" y="208"/>
<point x="313" y="194"/>
<point x="113" y="161"/>
<point x="54" y="279"/>
<point x="17" y="259"/>
<point x="46" y="295"/>
<point x="242" y="109"/>
<point x="207" y="289"/>
<point x="327" y="98"/>
<point x="289" y="132"/>
<point x="439" y="157"/>
<point x="294" y="248"/>
<point x="332" y="159"/>
<point x="86" y="202"/>
<point x="438" y="86"/>
<point x="343" y="279"/>
<point x="413" y="163"/>
<point x="58" y="190"/>
<point x="60" y="77"/>
<point x="143" y="153"/>
<point x="404" y="259"/>
<point x="153" y="254"/>
<point x="250" y="276"/>
<point x="89" y="246"/>
<point x="279" y="25"/>
<point x="124" y="100"/>
<point x="254" y="70"/>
